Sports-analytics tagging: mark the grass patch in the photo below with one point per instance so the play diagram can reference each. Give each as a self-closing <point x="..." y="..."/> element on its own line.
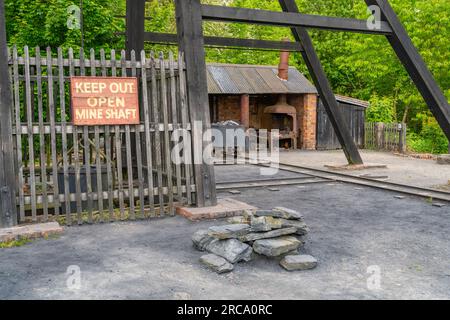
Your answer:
<point x="15" y="243"/>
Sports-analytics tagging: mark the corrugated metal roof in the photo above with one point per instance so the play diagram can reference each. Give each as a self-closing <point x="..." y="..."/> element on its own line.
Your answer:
<point x="252" y="79"/>
<point x="352" y="101"/>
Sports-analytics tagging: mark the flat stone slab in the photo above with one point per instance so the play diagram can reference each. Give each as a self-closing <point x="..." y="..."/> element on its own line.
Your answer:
<point x="280" y="212"/>
<point x="239" y="220"/>
<point x="202" y="239"/>
<point x="32" y="231"/>
<point x="276" y="247"/>
<point x="268" y="235"/>
<point x="350" y="167"/>
<point x="233" y="250"/>
<point x="230" y="231"/>
<point x="289" y="214"/>
<point x="216" y="263"/>
<point x="302" y="228"/>
<point x="262" y="224"/>
<point x="443" y="159"/>
<point x="298" y="262"/>
<point x="225" y="207"/>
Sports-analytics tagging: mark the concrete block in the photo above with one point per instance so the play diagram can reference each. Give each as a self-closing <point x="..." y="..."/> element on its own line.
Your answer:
<point x="33" y="231"/>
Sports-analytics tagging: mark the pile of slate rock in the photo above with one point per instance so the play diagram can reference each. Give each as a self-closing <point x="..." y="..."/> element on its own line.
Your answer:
<point x="275" y="233"/>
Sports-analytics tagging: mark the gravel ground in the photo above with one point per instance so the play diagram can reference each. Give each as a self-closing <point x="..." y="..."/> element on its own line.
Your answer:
<point x="352" y="229"/>
<point x="411" y="171"/>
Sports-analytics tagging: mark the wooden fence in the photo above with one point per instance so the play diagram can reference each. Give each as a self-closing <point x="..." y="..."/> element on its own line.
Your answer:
<point x="385" y="136"/>
<point x="102" y="173"/>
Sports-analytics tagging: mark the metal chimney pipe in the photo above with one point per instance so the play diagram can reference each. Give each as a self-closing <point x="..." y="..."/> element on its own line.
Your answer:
<point x="283" y="67"/>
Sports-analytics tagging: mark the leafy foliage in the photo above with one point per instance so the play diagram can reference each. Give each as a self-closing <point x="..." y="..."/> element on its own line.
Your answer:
<point x="360" y="66"/>
<point x="380" y="110"/>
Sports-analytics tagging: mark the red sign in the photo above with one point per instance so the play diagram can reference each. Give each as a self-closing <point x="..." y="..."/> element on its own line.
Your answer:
<point x="104" y="101"/>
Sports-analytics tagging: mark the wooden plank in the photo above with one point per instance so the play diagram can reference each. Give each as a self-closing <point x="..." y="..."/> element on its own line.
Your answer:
<point x="115" y="195"/>
<point x="76" y="152"/>
<point x="86" y="152"/>
<point x="23" y="128"/>
<point x="98" y="163"/>
<point x="108" y="150"/>
<point x="135" y="25"/>
<point x="8" y="212"/>
<point x="78" y="63"/>
<point x="43" y="159"/>
<point x="157" y="146"/>
<point x="148" y="148"/>
<point x="17" y="104"/>
<point x="129" y="153"/>
<point x="52" y="115"/>
<point x="190" y="32"/>
<point x="168" y="38"/>
<point x="289" y="19"/>
<point x="174" y="110"/>
<point x="62" y="104"/>
<point x="166" y="143"/>
<point x="118" y="141"/>
<point x="185" y="120"/>
<point x="29" y="117"/>
<point x="138" y="146"/>
<point x="323" y="86"/>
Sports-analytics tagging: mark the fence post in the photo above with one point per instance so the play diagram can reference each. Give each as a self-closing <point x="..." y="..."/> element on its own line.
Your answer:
<point x="8" y="210"/>
<point x="191" y="43"/>
<point x="402" y="138"/>
<point x="379" y="135"/>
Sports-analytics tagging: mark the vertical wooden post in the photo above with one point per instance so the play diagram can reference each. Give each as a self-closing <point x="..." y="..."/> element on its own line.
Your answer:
<point x="379" y="135"/>
<point x="323" y="86"/>
<point x="191" y="43"/>
<point x="415" y="65"/>
<point x="402" y="136"/>
<point x="135" y="27"/>
<point x="8" y="210"/>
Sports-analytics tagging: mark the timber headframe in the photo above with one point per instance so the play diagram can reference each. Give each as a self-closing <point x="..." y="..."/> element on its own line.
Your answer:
<point x="190" y="15"/>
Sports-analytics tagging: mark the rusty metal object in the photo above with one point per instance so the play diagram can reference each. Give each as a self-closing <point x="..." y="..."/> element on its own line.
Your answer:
<point x="283" y="67"/>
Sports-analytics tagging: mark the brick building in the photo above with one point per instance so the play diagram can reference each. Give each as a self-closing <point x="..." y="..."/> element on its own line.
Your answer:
<point x="248" y="94"/>
<point x="244" y="92"/>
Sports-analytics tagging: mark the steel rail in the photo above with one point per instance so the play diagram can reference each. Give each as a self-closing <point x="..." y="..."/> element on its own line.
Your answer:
<point x="223" y="186"/>
<point x="384" y="185"/>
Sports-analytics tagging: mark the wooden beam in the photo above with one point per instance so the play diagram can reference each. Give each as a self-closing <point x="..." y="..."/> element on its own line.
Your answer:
<point x="289" y="19"/>
<point x="8" y="209"/>
<point x="323" y="86"/>
<point x="415" y="65"/>
<point x="191" y="44"/>
<point x="135" y="24"/>
<point x="169" y="38"/>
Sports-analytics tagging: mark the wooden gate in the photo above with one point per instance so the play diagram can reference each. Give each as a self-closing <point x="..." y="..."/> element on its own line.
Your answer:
<point x="103" y="173"/>
<point x="386" y="136"/>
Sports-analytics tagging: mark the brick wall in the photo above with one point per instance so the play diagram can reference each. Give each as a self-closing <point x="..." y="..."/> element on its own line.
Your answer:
<point x="229" y="108"/>
<point x="306" y="105"/>
<point x="308" y="122"/>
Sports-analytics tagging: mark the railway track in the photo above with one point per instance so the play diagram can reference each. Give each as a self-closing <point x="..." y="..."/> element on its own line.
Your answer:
<point x="262" y="183"/>
<point x="312" y="176"/>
